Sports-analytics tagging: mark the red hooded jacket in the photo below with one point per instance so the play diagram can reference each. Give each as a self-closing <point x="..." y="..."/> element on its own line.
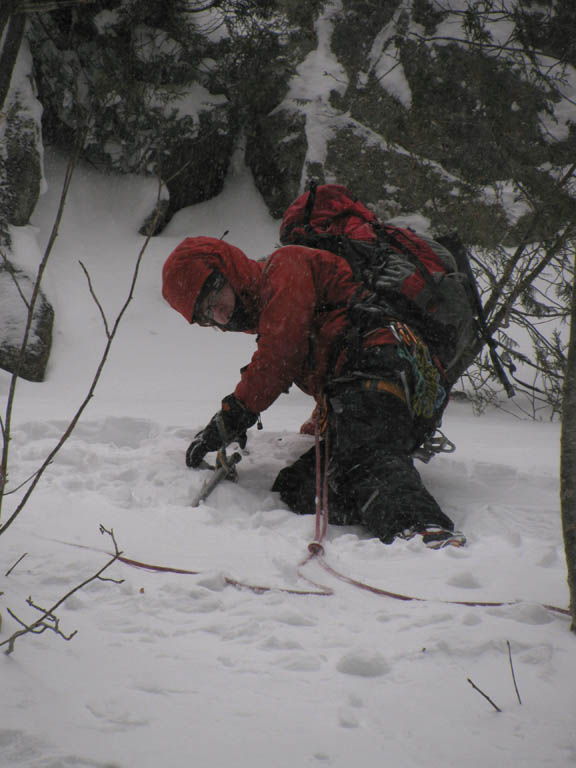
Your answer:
<point x="299" y="296"/>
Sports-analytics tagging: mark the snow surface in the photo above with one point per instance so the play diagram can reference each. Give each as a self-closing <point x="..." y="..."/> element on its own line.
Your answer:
<point x="181" y="669"/>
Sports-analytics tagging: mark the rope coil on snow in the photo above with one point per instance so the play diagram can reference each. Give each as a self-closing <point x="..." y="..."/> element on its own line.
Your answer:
<point x="317" y="553"/>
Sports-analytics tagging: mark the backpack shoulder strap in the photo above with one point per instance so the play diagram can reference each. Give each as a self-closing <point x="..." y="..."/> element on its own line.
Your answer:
<point x="309" y="209"/>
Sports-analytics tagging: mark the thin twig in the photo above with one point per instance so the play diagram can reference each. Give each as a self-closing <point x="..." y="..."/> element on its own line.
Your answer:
<point x="44" y="6"/>
<point x="9" y="571"/>
<point x="96" y="300"/>
<point x="111" y="333"/>
<point x="496" y="707"/>
<point x="512" y="670"/>
<point x="49" y="620"/>
<point x="18" y="487"/>
<point x="7" y="422"/>
<point x="12" y="272"/>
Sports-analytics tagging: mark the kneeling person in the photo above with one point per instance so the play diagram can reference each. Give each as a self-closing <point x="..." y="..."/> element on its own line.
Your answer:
<point x="298" y="302"/>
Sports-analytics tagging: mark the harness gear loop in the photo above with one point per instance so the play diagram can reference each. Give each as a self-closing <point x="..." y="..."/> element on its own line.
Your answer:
<point x="438" y="443"/>
<point x="428" y="393"/>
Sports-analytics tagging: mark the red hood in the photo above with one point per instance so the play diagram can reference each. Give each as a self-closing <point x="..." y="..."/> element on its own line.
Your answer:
<point x="190" y="264"/>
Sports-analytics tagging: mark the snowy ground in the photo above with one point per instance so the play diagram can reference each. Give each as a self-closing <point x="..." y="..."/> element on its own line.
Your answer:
<point x="177" y="670"/>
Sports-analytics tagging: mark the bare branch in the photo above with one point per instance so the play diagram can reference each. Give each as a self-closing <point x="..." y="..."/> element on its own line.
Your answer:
<point x="529" y="277"/>
<point x="11" y="272"/>
<point x="49" y="620"/>
<point x="512" y="670"/>
<point x="22" y="484"/>
<point x="7" y="422"/>
<point x="96" y="300"/>
<point x="496" y="707"/>
<point x="198" y="8"/>
<point x="9" y="571"/>
<point x="44" y="6"/>
<point x="111" y="334"/>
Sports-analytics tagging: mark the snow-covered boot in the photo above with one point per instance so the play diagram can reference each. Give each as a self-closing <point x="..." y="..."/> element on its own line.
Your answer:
<point x="436" y="537"/>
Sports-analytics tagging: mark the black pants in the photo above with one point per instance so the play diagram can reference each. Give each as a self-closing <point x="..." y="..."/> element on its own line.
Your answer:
<point x="372" y="480"/>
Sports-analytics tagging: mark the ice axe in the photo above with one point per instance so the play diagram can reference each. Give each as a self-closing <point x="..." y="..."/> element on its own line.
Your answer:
<point x="224" y="469"/>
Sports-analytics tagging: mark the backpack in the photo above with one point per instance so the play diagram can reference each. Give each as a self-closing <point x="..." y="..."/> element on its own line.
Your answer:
<point x="409" y="276"/>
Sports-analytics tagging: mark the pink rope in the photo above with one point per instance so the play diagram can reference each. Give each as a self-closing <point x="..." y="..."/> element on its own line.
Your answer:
<point x="399" y="596"/>
<point x="258" y="589"/>
<point x="316" y="547"/>
<point x="321" y="521"/>
<point x="323" y="591"/>
<point x="316" y="552"/>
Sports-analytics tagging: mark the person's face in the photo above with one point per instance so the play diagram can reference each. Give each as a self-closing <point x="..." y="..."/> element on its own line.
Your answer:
<point x="217" y="307"/>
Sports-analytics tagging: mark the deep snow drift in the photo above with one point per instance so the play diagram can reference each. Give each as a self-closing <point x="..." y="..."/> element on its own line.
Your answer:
<point x="176" y="670"/>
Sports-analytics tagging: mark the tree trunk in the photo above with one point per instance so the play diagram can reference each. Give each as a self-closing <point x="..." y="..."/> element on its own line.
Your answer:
<point x="568" y="463"/>
<point x="11" y="33"/>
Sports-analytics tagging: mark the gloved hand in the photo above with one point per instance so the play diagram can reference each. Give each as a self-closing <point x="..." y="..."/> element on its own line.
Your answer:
<point x="196" y="452"/>
<point x="226" y="426"/>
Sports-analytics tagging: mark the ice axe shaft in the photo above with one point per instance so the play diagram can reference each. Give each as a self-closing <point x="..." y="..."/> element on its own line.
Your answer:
<point x="225" y="469"/>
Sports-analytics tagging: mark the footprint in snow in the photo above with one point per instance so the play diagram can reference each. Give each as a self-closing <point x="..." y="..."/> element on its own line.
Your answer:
<point x="363" y="663"/>
<point x="347" y="718"/>
<point x="19" y="748"/>
<point x="114" y="716"/>
<point x="299" y="662"/>
<point x="120" y="431"/>
<point x="464" y="581"/>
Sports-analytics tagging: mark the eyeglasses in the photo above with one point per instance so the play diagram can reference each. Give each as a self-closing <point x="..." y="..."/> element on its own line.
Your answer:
<point x="215" y="303"/>
<point x="207" y="306"/>
<point x="206" y="299"/>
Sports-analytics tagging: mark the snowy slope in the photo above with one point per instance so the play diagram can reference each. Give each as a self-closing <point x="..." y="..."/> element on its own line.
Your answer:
<point x="181" y="669"/>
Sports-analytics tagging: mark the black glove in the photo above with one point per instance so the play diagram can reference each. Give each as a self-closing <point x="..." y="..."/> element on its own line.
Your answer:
<point x="228" y="425"/>
<point x="196" y="452"/>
